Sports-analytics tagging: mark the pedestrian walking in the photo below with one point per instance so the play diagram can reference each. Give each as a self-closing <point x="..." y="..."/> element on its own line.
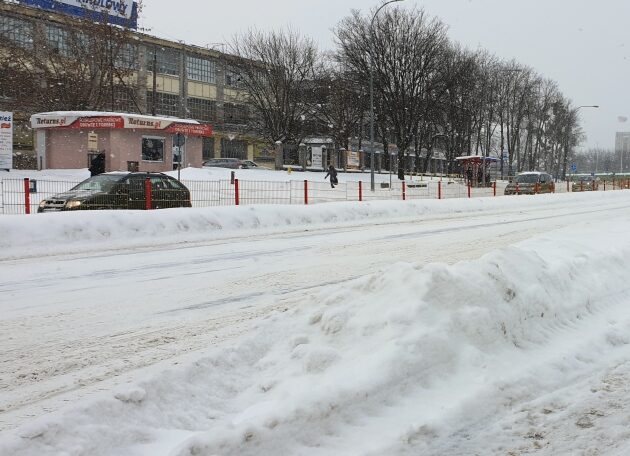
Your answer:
<point x="332" y="172"/>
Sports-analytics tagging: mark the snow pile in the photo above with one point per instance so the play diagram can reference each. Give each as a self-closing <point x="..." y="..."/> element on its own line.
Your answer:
<point x="68" y="232"/>
<point x="408" y="360"/>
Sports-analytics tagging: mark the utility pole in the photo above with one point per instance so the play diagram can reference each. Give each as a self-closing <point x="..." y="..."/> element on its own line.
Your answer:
<point x="154" y="81"/>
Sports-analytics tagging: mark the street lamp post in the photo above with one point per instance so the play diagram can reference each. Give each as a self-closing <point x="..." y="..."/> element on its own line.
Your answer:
<point x="372" y="93"/>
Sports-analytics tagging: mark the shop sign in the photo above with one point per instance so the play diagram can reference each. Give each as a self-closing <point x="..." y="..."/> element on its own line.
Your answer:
<point x="119" y="12"/>
<point x="6" y="140"/>
<point x="190" y="129"/>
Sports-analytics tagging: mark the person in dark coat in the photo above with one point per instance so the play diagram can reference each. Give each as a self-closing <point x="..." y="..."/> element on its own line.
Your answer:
<point x="332" y="172"/>
<point x="98" y="165"/>
<point x="469" y="175"/>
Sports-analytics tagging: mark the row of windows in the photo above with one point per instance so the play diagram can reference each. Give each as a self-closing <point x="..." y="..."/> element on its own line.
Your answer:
<point x="165" y="60"/>
<point x="17" y="31"/>
<point x="198" y="108"/>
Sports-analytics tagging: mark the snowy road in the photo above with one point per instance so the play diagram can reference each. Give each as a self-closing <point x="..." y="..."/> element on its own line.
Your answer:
<point x="77" y="324"/>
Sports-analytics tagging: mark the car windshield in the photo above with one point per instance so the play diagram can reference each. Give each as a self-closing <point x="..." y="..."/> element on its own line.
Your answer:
<point x="527" y="178"/>
<point x="100" y="183"/>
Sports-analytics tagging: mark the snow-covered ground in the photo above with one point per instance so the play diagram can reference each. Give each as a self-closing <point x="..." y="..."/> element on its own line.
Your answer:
<point x="491" y="326"/>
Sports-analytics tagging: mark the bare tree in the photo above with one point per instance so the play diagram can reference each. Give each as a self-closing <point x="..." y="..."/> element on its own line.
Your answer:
<point x="276" y="70"/>
<point x="406" y="48"/>
<point x="339" y="103"/>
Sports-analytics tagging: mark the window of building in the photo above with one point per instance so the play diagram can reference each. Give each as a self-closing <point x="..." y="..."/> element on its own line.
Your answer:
<point x="235" y="114"/>
<point x="124" y="99"/>
<point x="18" y="31"/>
<point x="152" y="148"/>
<point x="58" y="40"/>
<point x="233" y="148"/>
<point x="232" y="79"/>
<point x="207" y="148"/>
<point x="201" y="70"/>
<point x="167" y="60"/>
<point x="200" y="109"/>
<point x="165" y="104"/>
<point x="126" y="57"/>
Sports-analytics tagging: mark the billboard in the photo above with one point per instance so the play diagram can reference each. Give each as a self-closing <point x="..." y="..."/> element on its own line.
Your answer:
<point x="6" y="140"/>
<point x="119" y="12"/>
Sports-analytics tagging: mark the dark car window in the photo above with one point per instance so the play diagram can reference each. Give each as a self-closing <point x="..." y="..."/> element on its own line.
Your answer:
<point x="527" y="178"/>
<point x="100" y="183"/>
<point x="175" y="184"/>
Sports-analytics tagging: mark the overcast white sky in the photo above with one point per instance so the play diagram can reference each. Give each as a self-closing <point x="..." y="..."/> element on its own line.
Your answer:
<point x="582" y="44"/>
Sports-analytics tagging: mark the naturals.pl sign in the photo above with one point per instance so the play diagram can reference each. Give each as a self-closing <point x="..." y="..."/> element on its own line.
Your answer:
<point x="119" y="12"/>
<point x="6" y="140"/>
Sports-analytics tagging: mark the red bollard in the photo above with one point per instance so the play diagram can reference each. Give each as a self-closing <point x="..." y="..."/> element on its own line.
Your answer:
<point x="236" y="195"/>
<point x="604" y="184"/>
<point x="360" y="191"/>
<point x="404" y="188"/>
<point x="147" y="192"/>
<point x="469" y="190"/>
<point x="516" y="192"/>
<point x="440" y="190"/>
<point x="305" y="191"/>
<point x="536" y="191"/>
<point x="27" y="195"/>
<point x="494" y="188"/>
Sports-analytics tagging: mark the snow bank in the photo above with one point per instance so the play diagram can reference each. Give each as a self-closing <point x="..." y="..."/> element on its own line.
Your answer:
<point x="54" y="233"/>
<point x="408" y="360"/>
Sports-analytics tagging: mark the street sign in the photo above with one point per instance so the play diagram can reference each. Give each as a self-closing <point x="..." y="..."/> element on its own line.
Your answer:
<point x="573" y="167"/>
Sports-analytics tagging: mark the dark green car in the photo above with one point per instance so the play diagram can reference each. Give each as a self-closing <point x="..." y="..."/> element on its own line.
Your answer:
<point x="120" y="191"/>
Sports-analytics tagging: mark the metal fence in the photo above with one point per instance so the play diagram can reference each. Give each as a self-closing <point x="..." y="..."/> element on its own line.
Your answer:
<point x="14" y="193"/>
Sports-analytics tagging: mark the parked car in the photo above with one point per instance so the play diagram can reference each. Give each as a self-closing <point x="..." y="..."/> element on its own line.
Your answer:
<point x="249" y="164"/>
<point x="120" y="191"/>
<point x="233" y="163"/>
<point x="531" y="182"/>
<point x="585" y="184"/>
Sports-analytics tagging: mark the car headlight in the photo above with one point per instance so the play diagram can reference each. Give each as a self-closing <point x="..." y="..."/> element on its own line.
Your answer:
<point x="71" y="204"/>
<point x="42" y="204"/>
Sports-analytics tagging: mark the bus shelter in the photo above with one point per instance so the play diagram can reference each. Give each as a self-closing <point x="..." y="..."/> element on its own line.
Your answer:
<point x="477" y="170"/>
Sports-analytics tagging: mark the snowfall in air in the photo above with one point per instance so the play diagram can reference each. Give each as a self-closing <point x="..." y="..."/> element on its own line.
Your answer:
<point x="492" y="326"/>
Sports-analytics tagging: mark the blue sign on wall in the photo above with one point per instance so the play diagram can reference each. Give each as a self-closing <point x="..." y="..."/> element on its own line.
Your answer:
<point x="119" y="12"/>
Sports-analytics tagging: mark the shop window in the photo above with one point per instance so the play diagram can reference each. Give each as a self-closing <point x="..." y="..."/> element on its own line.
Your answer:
<point x="233" y="148"/>
<point x="152" y="149"/>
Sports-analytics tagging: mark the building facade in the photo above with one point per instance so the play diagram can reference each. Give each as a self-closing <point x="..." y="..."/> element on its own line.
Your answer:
<point x="164" y="78"/>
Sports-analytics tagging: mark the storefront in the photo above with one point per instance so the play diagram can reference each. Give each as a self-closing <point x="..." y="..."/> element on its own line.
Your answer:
<point x="128" y="142"/>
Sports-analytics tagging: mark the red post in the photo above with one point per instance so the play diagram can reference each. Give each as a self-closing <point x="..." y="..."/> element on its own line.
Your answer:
<point x="404" y="188"/>
<point x="236" y="195"/>
<point x="147" y="192"/>
<point x="494" y="188"/>
<point x="536" y="188"/>
<point x="305" y="191"/>
<point x="553" y="187"/>
<point x="469" y="190"/>
<point x="360" y="191"/>
<point x="516" y="192"/>
<point x="593" y="185"/>
<point x="604" y="184"/>
<point x="440" y="190"/>
<point x="27" y="195"/>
